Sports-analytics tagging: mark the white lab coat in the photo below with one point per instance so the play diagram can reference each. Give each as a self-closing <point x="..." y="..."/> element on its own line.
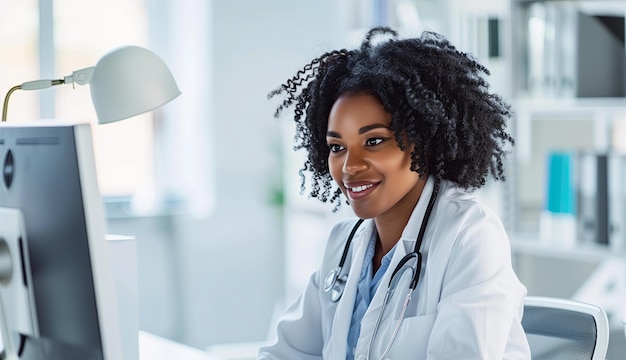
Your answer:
<point x="468" y="303"/>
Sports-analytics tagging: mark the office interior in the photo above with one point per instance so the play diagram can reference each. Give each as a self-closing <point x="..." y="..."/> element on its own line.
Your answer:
<point x="208" y="184"/>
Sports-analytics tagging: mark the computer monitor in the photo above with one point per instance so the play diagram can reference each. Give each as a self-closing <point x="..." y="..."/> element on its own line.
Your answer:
<point x="59" y="297"/>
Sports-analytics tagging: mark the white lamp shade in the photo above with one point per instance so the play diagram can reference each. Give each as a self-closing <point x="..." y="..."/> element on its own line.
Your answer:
<point x="129" y="81"/>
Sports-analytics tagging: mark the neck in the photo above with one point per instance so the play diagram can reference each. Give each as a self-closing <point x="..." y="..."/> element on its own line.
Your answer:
<point x="391" y="224"/>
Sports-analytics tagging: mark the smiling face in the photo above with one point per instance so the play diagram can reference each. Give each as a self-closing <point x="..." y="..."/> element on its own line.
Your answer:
<point x="366" y="162"/>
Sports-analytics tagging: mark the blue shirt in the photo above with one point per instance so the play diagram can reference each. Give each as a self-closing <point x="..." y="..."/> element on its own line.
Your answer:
<point x="365" y="292"/>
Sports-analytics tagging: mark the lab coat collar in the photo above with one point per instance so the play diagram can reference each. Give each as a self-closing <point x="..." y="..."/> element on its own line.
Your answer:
<point x="412" y="228"/>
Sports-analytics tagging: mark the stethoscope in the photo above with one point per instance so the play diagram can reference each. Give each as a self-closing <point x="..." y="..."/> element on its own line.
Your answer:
<point x="335" y="283"/>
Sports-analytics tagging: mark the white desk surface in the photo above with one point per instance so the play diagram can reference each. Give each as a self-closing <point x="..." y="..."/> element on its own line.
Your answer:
<point x="153" y="347"/>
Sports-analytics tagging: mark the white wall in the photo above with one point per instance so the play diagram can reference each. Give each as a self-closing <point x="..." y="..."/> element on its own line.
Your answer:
<point x="217" y="279"/>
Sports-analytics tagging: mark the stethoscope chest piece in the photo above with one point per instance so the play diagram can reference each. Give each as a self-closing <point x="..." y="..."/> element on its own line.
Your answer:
<point x="335" y="284"/>
<point x="331" y="279"/>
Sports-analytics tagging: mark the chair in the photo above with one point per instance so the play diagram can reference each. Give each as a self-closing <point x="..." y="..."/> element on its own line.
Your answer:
<point x="565" y="329"/>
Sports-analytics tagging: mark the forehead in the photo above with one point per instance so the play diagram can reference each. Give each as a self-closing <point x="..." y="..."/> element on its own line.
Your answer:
<point x="357" y="110"/>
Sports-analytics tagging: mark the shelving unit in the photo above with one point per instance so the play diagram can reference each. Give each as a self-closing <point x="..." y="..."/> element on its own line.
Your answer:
<point x="555" y="108"/>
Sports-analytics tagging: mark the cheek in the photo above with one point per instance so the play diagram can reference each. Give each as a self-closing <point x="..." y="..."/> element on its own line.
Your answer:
<point x="334" y="167"/>
<point x="397" y="163"/>
<point x="399" y="173"/>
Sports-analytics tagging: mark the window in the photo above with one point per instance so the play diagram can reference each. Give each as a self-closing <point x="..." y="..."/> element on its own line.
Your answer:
<point x="45" y="39"/>
<point x="19" y="55"/>
<point x="82" y="32"/>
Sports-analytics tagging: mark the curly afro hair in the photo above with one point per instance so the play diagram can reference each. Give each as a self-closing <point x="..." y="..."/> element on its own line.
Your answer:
<point x="437" y="96"/>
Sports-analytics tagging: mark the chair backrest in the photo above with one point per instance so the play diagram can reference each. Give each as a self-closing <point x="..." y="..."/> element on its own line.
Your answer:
<point x="565" y="329"/>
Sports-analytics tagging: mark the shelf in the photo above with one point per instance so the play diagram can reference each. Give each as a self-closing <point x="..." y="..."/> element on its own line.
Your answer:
<point x="604" y="112"/>
<point x="571" y="105"/>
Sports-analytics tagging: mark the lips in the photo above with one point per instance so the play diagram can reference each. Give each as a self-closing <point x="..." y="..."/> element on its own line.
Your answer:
<point x="359" y="191"/>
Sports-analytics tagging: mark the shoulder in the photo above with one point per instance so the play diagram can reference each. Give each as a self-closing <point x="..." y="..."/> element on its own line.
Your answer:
<point x="338" y="240"/>
<point x="470" y="219"/>
<point x="340" y="232"/>
<point x="471" y="241"/>
<point x="346" y="225"/>
<point x="457" y="203"/>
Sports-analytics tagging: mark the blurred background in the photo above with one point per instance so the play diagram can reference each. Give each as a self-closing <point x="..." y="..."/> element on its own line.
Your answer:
<point x="209" y="183"/>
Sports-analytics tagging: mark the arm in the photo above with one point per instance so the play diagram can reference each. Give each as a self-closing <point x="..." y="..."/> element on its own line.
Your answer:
<point x="481" y="305"/>
<point x="299" y="330"/>
<point x="302" y="332"/>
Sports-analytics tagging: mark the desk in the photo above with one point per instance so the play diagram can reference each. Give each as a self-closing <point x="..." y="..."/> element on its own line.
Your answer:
<point x="153" y="347"/>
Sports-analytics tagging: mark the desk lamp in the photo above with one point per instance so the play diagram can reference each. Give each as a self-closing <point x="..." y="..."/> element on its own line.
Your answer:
<point x="125" y="82"/>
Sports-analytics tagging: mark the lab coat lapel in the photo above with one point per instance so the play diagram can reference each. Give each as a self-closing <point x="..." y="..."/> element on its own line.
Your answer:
<point x="343" y="315"/>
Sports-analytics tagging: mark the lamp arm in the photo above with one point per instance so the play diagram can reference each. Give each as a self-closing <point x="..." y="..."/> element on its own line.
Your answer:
<point x="6" y="101"/>
<point x="40" y="84"/>
<point x="80" y="77"/>
<point x="29" y="85"/>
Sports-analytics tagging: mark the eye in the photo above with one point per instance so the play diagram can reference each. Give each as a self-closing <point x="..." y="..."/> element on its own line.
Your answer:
<point x="335" y="148"/>
<point x="374" y="141"/>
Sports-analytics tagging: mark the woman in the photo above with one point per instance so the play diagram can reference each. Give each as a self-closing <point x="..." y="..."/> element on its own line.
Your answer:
<point x="404" y="129"/>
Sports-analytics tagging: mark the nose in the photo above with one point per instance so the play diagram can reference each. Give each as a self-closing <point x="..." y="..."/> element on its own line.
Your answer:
<point x="354" y="163"/>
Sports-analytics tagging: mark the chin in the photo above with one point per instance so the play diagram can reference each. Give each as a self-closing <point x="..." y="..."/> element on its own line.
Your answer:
<point x="363" y="213"/>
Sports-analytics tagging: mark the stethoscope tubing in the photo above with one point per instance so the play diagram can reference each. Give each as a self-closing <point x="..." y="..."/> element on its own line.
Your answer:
<point x="333" y="275"/>
<point x="396" y="330"/>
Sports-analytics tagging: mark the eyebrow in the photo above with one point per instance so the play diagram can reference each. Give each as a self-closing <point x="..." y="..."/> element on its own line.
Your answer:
<point x="362" y="130"/>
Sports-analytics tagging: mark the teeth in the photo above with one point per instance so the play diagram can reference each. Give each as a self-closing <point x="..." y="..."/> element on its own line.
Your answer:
<point x="361" y="188"/>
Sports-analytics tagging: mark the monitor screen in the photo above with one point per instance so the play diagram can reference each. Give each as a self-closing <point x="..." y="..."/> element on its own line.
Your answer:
<point x="49" y="195"/>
